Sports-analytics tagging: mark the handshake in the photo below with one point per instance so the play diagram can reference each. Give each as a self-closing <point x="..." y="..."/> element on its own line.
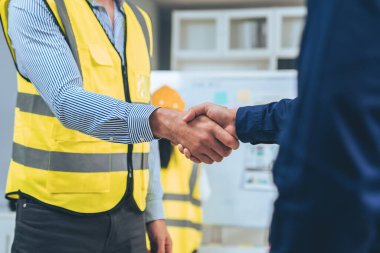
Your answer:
<point x="206" y="133"/>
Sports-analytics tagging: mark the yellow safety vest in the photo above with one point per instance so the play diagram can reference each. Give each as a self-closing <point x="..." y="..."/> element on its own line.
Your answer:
<point x="63" y="167"/>
<point x="182" y="205"/>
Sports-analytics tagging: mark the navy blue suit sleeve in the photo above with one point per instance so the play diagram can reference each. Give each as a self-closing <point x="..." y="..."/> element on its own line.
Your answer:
<point x="263" y="123"/>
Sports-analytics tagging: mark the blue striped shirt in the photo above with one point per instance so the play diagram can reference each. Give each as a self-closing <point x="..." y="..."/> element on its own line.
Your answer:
<point x="44" y="57"/>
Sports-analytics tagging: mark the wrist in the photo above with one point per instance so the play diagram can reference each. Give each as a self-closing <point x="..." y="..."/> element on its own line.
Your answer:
<point x="161" y="121"/>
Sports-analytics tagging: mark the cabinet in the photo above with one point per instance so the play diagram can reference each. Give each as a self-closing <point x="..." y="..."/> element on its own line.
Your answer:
<point x="242" y="39"/>
<point x="288" y="30"/>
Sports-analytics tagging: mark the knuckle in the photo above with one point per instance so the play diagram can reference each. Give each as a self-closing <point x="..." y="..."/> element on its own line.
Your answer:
<point x="209" y="140"/>
<point x="198" y="144"/>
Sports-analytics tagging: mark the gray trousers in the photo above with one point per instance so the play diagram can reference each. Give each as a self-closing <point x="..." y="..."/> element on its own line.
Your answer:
<point x="40" y="229"/>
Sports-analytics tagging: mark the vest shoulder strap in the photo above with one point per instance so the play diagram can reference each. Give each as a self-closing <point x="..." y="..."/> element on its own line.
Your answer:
<point x="145" y="24"/>
<point x="62" y="10"/>
<point x="141" y="17"/>
<point x="4" y="24"/>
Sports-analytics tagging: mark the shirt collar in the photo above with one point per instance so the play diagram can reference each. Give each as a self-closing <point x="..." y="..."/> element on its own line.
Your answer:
<point x="95" y="3"/>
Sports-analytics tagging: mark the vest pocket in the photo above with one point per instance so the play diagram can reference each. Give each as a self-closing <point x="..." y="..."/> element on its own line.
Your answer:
<point x="100" y="55"/>
<point x="77" y="182"/>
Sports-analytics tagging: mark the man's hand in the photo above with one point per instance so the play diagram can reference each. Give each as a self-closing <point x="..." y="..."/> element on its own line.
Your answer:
<point x="221" y="115"/>
<point x="205" y="139"/>
<point x="160" y="241"/>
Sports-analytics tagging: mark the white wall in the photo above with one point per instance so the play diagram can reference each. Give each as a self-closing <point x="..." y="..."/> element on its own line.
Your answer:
<point x="7" y="103"/>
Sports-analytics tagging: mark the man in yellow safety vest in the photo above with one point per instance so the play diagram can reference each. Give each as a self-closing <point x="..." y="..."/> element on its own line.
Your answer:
<point x="83" y="123"/>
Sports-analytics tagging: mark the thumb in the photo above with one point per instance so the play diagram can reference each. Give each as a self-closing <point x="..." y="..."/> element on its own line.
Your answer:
<point x="231" y="129"/>
<point x="195" y="112"/>
<point x="190" y="115"/>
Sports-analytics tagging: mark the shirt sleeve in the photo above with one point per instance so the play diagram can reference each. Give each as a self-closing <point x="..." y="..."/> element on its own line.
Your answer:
<point x="154" y="210"/>
<point x="263" y="123"/>
<point x="44" y="57"/>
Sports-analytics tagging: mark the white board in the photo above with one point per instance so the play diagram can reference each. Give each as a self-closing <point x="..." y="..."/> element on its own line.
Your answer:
<point x="235" y="200"/>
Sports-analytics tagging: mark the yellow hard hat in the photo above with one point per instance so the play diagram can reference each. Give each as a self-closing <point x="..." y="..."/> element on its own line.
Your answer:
<point x="168" y="98"/>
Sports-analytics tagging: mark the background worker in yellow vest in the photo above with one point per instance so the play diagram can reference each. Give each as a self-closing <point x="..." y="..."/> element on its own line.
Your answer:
<point x="83" y="124"/>
<point x="181" y="183"/>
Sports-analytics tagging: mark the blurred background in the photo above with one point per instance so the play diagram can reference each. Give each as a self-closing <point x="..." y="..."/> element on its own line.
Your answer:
<point x="229" y="52"/>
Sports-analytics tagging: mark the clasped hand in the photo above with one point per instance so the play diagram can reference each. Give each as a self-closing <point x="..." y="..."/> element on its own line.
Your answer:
<point x="205" y="134"/>
<point x="222" y="116"/>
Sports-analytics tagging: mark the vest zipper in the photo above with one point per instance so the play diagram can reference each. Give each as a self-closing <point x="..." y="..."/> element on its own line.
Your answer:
<point x="124" y="68"/>
<point x="127" y="93"/>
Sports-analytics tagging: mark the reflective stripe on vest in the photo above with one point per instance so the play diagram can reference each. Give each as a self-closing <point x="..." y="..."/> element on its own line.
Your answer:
<point x="33" y="104"/>
<point x="183" y="224"/>
<point x="182" y="197"/>
<point x="187" y="197"/>
<point x="74" y="162"/>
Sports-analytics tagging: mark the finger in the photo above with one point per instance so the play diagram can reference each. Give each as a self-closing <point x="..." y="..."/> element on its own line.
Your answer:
<point x="195" y="160"/>
<point x="220" y="148"/>
<point x="168" y="248"/>
<point x="181" y="149"/>
<point x="195" y="112"/>
<point x="213" y="154"/>
<point x="187" y="153"/>
<point x="227" y="139"/>
<point x="205" y="159"/>
<point x="161" y="246"/>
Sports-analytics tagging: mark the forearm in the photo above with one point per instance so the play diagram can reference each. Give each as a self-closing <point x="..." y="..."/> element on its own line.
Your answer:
<point x="104" y="117"/>
<point x="263" y="123"/>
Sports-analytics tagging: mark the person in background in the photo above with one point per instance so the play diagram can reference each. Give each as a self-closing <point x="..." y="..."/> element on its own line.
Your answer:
<point x="181" y="185"/>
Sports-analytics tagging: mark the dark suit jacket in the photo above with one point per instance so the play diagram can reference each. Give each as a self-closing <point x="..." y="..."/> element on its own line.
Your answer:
<point x="328" y="169"/>
<point x="263" y="123"/>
